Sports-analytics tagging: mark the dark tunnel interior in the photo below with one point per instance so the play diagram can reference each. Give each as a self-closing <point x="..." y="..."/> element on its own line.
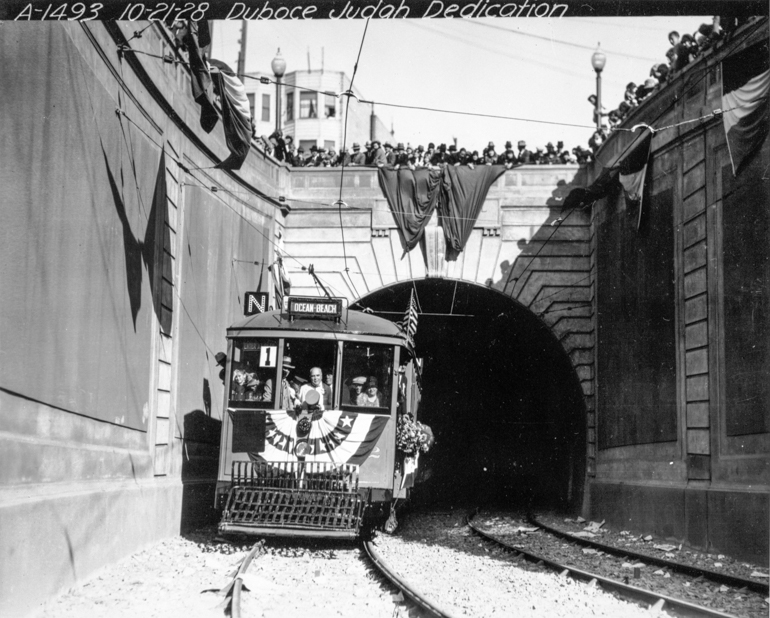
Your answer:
<point x="500" y="395"/>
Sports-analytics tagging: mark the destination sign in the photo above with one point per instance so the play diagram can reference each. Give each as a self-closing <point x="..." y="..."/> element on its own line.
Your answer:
<point x="302" y="306"/>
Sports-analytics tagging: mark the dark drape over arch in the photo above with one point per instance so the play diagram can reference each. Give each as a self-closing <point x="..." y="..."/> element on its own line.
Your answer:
<point x="457" y="191"/>
<point x="412" y="196"/>
<point x="464" y="192"/>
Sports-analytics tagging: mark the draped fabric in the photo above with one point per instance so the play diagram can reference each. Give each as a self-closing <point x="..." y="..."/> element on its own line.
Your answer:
<point x="458" y="192"/>
<point x="336" y="437"/>
<point x="745" y="89"/>
<point x="746" y="122"/>
<point x="196" y="40"/>
<point x="236" y="114"/>
<point x="629" y="169"/>
<point x="412" y="196"/>
<point x="464" y="192"/>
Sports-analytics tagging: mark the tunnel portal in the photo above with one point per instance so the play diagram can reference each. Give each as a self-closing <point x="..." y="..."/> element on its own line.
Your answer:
<point x="500" y="394"/>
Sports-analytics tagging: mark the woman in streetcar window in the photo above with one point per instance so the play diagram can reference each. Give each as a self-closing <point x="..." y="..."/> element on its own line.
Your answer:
<point x="372" y="397"/>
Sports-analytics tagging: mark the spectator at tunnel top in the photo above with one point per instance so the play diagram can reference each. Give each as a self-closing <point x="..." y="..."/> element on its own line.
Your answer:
<point x="439" y="156"/>
<point x="503" y="156"/>
<point x="509" y="160"/>
<point x="630" y="95"/>
<point x="551" y="156"/>
<point x="368" y="153"/>
<point x="475" y="158"/>
<point x="299" y="158"/>
<point x="673" y="38"/>
<point x="490" y="156"/>
<point x="358" y="158"/>
<point x="419" y="156"/>
<point x="592" y="101"/>
<point x="596" y="140"/>
<point x="344" y="157"/>
<point x="646" y="89"/>
<point x="390" y="153"/>
<point x="686" y="51"/>
<point x="279" y="145"/>
<point x="401" y="157"/>
<point x="378" y="154"/>
<point x="659" y="72"/>
<point x="524" y="155"/>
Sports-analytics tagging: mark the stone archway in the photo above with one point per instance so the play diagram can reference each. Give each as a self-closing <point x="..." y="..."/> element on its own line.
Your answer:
<point x="499" y="391"/>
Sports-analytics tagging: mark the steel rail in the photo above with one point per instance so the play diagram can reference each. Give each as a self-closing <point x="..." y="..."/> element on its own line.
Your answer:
<point x="722" y="578"/>
<point x="654" y="600"/>
<point x="409" y="590"/>
<point x="235" y="606"/>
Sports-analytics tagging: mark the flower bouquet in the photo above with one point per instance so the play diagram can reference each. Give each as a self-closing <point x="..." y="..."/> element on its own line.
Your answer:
<point x="412" y="437"/>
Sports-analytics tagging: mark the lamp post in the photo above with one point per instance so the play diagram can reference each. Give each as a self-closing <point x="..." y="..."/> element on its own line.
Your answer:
<point x="279" y="68"/>
<point x="598" y="60"/>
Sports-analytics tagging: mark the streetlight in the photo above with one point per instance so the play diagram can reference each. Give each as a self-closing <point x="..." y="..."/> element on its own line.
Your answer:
<point x="279" y="68"/>
<point x="598" y="60"/>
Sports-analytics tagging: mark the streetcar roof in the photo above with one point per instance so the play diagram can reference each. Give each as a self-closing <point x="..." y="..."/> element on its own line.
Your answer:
<point x="351" y="322"/>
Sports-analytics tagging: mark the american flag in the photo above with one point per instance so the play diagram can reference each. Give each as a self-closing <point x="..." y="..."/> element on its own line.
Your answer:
<point x="409" y="323"/>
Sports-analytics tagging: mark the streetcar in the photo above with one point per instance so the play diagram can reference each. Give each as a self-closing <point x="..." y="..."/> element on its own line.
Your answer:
<point x="315" y="396"/>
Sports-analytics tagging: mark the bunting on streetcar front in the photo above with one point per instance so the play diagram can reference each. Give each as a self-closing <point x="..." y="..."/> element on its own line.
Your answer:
<point x="335" y="437"/>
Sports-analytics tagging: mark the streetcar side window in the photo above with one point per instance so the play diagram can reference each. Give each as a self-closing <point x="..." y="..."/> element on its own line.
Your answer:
<point x="254" y="373"/>
<point x="366" y="377"/>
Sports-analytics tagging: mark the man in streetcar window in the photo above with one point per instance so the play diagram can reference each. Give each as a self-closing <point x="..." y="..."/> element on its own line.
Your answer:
<point x="372" y="397"/>
<point x="289" y="398"/>
<point x="356" y="393"/>
<point x="328" y="381"/>
<point x="316" y="384"/>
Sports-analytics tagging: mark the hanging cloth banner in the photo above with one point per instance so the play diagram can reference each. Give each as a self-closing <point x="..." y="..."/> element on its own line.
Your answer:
<point x="196" y="38"/>
<point x="412" y="196"/>
<point x="745" y="88"/>
<point x="236" y="115"/>
<point x="464" y="192"/>
<point x="336" y="437"/>
<point x="458" y="192"/>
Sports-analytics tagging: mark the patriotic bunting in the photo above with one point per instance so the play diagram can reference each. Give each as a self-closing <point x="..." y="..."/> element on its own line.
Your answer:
<point x="196" y="38"/>
<point x="336" y="437"/>
<point x="745" y="88"/>
<point x="236" y="115"/>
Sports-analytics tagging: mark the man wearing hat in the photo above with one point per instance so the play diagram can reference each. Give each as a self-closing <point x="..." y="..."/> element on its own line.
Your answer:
<point x="490" y="156"/>
<point x="378" y="154"/>
<point x="356" y="391"/>
<point x="289" y="399"/>
<point x="401" y="157"/>
<point x="221" y="359"/>
<point x="524" y="155"/>
<point x="368" y="152"/>
<point x="359" y="158"/>
<point x="390" y="154"/>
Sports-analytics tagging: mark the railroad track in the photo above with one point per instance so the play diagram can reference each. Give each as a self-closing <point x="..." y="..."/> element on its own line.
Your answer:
<point x="715" y="576"/>
<point x="654" y="600"/>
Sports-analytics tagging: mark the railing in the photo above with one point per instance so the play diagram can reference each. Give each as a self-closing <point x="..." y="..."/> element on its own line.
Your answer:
<point x="313" y="476"/>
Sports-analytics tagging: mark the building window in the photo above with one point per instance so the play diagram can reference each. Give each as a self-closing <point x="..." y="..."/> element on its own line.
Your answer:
<point x="289" y="106"/>
<point x="250" y="97"/>
<point x="331" y="106"/>
<point x="308" y="105"/>
<point x="329" y="144"/>
<point x="305" y="144"/>
<point x="266" y="107"/>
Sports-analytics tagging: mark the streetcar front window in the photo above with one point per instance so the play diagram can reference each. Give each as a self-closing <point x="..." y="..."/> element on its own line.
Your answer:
<point x="254" y="373"/>
<point x="366" y="376"/>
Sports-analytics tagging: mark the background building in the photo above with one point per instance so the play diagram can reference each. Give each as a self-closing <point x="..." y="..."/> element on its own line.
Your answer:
<point x="311" y="112"/>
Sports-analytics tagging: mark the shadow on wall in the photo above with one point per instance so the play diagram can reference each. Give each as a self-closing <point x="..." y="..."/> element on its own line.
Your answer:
<point x="142" y="251"/>
<point x="200" y="461"/>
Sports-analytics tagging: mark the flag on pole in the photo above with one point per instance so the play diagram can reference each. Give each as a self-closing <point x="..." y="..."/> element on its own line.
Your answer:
<point x="409" y="323"/>
<point x="745" y="88"/>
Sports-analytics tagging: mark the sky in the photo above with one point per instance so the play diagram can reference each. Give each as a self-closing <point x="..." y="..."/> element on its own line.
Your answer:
<point x="533" y="69"/>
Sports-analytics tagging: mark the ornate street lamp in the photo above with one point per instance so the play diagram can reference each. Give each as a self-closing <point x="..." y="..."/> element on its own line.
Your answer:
<point x="598" y="60"/>
<point x="279" y="68"/>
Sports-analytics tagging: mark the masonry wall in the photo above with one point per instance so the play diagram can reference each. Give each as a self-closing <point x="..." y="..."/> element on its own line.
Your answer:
<point x="120" y="273"/>
<point x="683" y="448"/>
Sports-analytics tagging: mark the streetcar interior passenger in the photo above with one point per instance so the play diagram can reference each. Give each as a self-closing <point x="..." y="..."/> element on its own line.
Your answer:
<point x="314" y="368"/>
<point x="254" y="370"/>
<point x="366" y="377"/>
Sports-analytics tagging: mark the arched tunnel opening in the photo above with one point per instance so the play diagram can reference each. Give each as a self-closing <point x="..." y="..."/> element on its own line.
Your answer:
<point x="499" y="393"/>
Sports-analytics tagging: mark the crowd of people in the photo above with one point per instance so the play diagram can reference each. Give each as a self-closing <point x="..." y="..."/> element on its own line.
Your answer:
<point x="375" y="153"/>
<point x="684" y="49"/>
